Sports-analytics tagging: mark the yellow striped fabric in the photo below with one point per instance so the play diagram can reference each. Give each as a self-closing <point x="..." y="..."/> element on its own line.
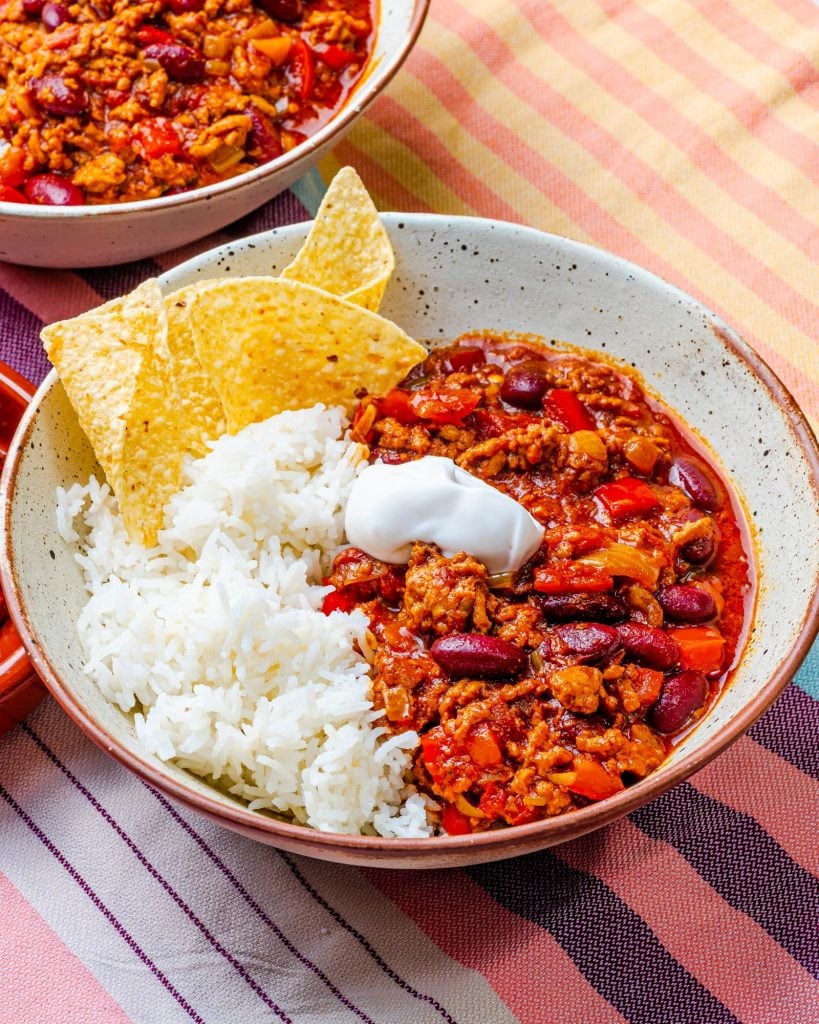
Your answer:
<point x="681" y="134"/>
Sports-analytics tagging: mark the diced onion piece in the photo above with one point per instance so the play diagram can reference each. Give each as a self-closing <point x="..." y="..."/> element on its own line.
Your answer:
<point x="499" y="580"/>
<point x="465" y="807"/>
<point x="224" y="157"/>
<point x="624" y="560"/>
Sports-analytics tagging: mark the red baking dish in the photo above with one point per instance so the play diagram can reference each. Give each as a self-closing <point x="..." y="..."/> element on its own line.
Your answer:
<point x="20" y="688"/>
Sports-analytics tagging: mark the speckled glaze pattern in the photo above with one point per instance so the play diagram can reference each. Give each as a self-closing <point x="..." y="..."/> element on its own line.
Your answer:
<point x="453" y="275"/>
<point x="96" y="236"/>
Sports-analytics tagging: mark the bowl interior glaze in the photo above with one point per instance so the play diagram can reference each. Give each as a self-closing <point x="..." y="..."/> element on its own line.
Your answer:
<point x="454" y="275"/>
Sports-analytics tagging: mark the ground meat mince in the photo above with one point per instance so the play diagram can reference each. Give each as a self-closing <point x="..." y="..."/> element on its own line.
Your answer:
<point x="539" y="691"/>
<point x="108" y="101"/>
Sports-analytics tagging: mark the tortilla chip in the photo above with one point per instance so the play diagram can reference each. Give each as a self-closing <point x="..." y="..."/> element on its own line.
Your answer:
<point x="202" y="417"/>
<point x="115" y="367"/>
<point x="347" y="252"/>
<point x="269" y="344"/>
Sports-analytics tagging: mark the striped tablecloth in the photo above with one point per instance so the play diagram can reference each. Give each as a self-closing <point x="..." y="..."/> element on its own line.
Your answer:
<point x="680" y="134"/>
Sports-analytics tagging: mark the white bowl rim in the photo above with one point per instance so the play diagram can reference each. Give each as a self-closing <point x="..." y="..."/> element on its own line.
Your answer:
<point x="363" y="94"/>
<point x="508" y="840"/>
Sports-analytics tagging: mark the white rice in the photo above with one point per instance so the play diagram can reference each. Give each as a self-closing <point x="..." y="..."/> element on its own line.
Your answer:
<point x="215" y="638"/>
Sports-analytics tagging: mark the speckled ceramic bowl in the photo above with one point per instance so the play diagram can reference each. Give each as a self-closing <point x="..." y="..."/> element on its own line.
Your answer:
<point x="454" y="275"/>
<point x="94" y="236"/>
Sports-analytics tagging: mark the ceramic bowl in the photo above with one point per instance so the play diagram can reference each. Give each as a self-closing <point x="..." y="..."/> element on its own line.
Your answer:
<point x="20" y="690"/>
<point x="91" y="236"/>
<point x="453" y="275"/>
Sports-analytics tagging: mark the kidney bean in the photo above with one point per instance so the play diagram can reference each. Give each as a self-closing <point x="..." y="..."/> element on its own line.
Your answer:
<point x="524" y="386"/>
<point x="473" y="654"/>
<point x="589" y="639"/>
<point x="181" y="62"/>
<point x="183" y="6"/>
<point x="263" y="136"/>
<point x="34" y="7"/>
<point x="649" y="644"/>
<point x="679" y="698"/>
<point x="53" y="190"/>
<point x="53" y="15"/>
<point x="284" y="10"/>
<point x="699" y="551"/>
<point x="585" y="607"/>
<point x="55" y="95"/>
<point x="687" y="604"/>
<point x="693" y="477"/>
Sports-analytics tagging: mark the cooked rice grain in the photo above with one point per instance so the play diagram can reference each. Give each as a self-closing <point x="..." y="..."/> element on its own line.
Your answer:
<point x="215" y="637"/>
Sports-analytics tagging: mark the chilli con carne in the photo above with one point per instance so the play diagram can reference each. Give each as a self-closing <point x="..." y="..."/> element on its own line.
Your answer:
<point x="108" y="101"/>
<point x="538" y="691"/>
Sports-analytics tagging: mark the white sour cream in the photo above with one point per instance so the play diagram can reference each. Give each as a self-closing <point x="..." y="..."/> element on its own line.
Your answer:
<point x="433" y="500"/>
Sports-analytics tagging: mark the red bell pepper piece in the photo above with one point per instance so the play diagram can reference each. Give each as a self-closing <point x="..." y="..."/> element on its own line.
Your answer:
<point x="150" y="35"/>
<point x="454" y="823"/>
<point x="465" y="359"/>
<point x="157" y="137"/>
<point x="567" y="408"/>
<point x="338" y="601"/>
<point x="702" y="648"/>
<point x="336" y="57"/>
<point x="396" y="404"/>
<point x="627" y="496"/>
<point x="451" y="406"/>
<point x="11" y="195"/>
<point x="302" y="69"/>
<point x="571" y="578"/>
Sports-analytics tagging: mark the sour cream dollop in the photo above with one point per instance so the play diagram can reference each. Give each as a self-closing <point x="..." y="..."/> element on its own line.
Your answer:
<point x="434" y="501"/>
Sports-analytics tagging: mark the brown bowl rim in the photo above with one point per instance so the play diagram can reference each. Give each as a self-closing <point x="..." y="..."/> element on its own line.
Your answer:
<point x="457" y="849"/>
<point x="357" y="102"/>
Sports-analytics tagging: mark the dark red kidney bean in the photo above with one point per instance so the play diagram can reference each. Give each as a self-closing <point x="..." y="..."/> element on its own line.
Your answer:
<point x="284" y="10"/>
<point x="55" y="95"/>
<point x="585" y="607"/>
<point x="181" y="62"/>
<point x="687" y="604"/>
<point x="53" y="190"/>
<point x="263" y="136"/>
<point x="183" y="6"/>
<point x="524" y="386"/>
<point x="699" y="551"/>
<point x="589" y="639"/>
<point x="649" y="644"/>
<point x="53" y="15"/>
<point x="34" y="7"/>
<point x="473" y="654"/>
<point x="679" y="698"/>
<point x="693" y="477"/>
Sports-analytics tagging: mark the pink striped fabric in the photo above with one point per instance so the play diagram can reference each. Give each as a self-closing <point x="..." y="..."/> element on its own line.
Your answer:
<point x="681" y="135"/>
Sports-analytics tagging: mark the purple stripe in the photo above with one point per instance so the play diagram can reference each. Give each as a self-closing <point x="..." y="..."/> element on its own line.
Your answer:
<point x="790" y="729"/>
<point x="89" y="892"/>
<point x="21" y="346"/>
<point x="111" y="282"/>
<point x="770" y="888"/>
<point x="613" y="947"/>
<point x="237" y="885"/>
<point x="311" y="891"/>
<point x="357" y="935"/>
<point x="189" y="913"/>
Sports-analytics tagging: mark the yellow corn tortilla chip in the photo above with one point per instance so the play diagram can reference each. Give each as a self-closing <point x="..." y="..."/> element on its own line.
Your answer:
<point x="202" y="417"/>
<point x="347" y="252"/>
<point x="270" y="344"/>
<point x="115" y="366"/>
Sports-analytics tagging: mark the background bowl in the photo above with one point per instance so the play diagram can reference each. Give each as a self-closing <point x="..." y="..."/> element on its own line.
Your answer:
<point x="20" y="690"/>
<point x="456" y="274"/>
<point x="95" y="236"/>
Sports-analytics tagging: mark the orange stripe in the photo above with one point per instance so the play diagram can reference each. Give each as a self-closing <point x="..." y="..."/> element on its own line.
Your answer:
<point x="755" y="781"/>
<point x="644" y="181"/>
<point x="758" y="116"/>
<point x="727" y="952"/>
<point x="41" y="978"/>
<point x="522" y="962"/>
